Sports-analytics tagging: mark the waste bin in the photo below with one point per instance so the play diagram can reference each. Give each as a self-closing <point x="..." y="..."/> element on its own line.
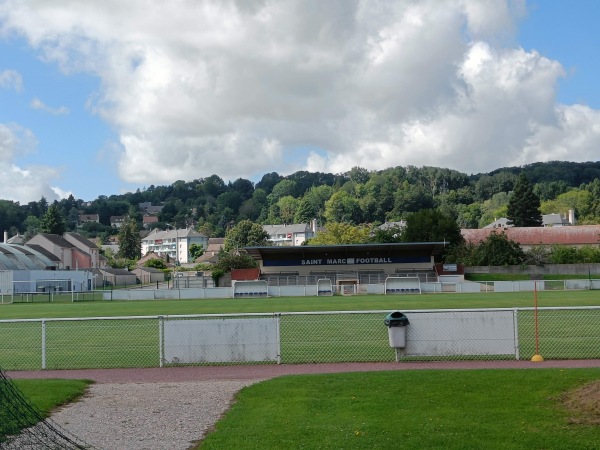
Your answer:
<point x="396" y="323"/>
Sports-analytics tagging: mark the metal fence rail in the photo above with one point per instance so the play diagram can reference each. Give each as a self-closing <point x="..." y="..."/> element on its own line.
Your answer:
<point x="294" y="287"/>
<point x="296" y="338"/>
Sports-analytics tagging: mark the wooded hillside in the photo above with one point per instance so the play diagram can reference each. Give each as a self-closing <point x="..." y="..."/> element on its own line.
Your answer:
<point x="355" y="197"/>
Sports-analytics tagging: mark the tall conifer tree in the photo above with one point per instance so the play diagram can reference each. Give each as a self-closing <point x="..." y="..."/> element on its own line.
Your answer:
<point x="524" y="205"/>
<point x="52" y="222"/>
<point x="130" y="242"/>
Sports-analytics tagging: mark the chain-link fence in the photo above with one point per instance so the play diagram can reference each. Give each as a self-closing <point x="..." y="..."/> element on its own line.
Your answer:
<point x="297" y="338"/>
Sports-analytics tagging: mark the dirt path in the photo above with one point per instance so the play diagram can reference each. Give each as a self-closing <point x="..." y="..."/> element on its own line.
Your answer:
<point x="264" y="371"/>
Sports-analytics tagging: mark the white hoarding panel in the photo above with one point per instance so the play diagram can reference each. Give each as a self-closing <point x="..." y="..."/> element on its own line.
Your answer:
<point x="220" y="340"/>
<point x="460" y="333"/>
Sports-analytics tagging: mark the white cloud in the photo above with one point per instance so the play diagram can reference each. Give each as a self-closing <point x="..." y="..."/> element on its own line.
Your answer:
<point x="22" y="184"/>
<point x="36" y="103"/>
<point x="231" y="87"/>
<point x="11" y="79"/>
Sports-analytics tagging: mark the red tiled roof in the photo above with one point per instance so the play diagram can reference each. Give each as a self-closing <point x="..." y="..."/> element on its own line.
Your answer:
<point x="575" y="235"/>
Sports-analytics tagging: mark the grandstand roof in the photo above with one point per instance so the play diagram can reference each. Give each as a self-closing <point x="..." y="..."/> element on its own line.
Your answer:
<point x="20" y="257"/>
<point x="307" y="251"/>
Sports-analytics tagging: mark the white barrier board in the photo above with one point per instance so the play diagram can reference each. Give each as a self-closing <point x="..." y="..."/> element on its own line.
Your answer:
<point x="460" y="333"/>
<point x="220" y="340"/>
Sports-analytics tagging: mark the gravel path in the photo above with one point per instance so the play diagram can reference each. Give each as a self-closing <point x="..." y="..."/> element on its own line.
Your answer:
<point x="148" y="416"/>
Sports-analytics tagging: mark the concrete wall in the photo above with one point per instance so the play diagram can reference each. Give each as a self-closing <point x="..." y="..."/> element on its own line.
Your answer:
<point x="548" y="269"/>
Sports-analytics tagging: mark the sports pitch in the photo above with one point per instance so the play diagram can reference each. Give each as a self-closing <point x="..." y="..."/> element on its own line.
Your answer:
<point x="63" y="307"/>
<point x="326" y="338"/>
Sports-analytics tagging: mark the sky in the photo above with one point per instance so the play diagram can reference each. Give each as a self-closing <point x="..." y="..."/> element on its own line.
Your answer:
<point x="107" y="97"/>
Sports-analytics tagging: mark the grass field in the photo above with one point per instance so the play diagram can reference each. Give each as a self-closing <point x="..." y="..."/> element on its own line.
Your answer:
<point x="294" y="304"/>
<point x="479" y="409"/>
<point x="305" y="338"/>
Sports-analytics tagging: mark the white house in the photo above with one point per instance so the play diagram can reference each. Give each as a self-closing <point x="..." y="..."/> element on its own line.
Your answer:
<point x="173" y="243"/>
<point x="291" y="234"/>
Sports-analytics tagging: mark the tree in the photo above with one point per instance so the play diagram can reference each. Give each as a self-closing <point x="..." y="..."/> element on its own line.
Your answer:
<point x="234" y="260"/>
<point x="244" y="234"/>
<point x="431" y="225"/>
<point x="268" y="181"/>
<point x="342" y="207"/>
<point x="244" y="187"/>
<point x="386" y="235"/>
<point x="358" y="174"/>
<point x="411" y="198"/>
<point x="341" y="233"/>
<point x="10" y="215"/>
<point x="53" y="222"/>
<point x="32" y="226"/>
<point x="281" y="189"/>
<point x="195" y="251"/>
<point x="317" y="197"/>
<point x="495" y="250"/>
<point x="579" y="200"/>
<point x="305" y="212"/>
<point x="524" y="205"/>
<point x="155" y="263"/>
<point x="130" y="243"/>
<point x="493" y="209"/>
<point x="498" y="250"/>
<point x="287" y="208"/>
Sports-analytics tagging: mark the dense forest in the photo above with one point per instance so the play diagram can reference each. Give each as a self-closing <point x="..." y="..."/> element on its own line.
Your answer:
<point x="356" y="197"/>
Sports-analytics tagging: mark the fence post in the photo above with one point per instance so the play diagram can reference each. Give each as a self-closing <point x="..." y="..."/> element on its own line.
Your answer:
<point x="278" y="328"/>
<point x="43" y="344"/>
<point x="516" y="328"/>
<point x="161" y="355"/>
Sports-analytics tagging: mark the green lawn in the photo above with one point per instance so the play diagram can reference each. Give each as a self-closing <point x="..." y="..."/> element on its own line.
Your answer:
<point x="292" y="304"/>
<point x="106" y="343"/>
<point x="470" y="409"/>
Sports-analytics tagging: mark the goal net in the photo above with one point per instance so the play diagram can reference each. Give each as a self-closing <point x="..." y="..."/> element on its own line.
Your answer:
<point x="23" y="426"/>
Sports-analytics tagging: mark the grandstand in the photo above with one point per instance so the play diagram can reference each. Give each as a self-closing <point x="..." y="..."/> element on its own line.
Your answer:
<point x="347" y="265"/>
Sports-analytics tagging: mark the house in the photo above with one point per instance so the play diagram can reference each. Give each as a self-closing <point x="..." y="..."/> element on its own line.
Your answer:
<point x="211" y="254"/>
<point x="149" y="275"/>
<point x="548" y="220"/>
<point x="147" y="208"/>
<point x="502" y="222"/>
<point x="72" y="250"/>
<point x="56" y="245"/>
<point x="51" y="256"/>
<point x="148" y="220"/>
<point x="88" y="254"/>
<point x="292" y="234"/>
<point x="528" y="237"/>
<point x="117" y="277"/>
<point x="555" y="220"/>
<point x="85" y="218"/>
<point x="16" y="239"/>
<point x="174" y="244"/>
<point x="117" y="221"/>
